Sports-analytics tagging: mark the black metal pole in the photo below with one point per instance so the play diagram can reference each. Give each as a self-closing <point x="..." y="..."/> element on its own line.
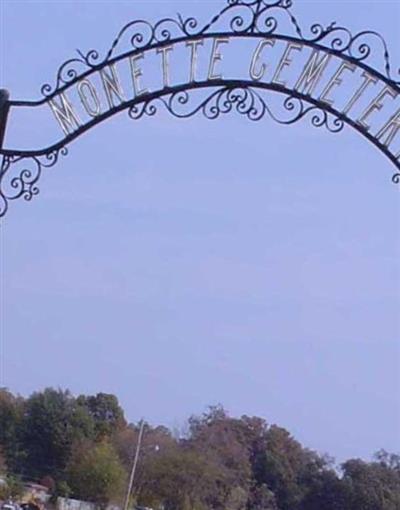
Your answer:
<point x="4" y="109"/>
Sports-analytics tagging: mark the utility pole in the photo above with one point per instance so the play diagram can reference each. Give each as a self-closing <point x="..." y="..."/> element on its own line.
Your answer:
<point x="134" y="465"/>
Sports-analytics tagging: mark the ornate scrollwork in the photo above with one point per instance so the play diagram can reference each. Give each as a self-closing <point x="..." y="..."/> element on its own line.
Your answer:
<point x="246" y="101"/>
<point x="263" y="17"/>
<point x="19" y="176"/>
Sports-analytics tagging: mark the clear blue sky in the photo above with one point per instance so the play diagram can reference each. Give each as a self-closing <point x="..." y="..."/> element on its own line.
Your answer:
<point x="184" y="263"/>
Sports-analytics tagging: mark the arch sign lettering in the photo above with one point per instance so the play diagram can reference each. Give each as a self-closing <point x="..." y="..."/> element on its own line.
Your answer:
<point x="252" y="57"/>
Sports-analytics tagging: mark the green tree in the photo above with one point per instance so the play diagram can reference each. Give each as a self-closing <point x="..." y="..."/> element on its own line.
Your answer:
<point x="106" y="412"/>
<point x="3" y="463"/>
<point x="11" y="417"/>
<point x="96" y="474"/>
<point x="372" y="486"/>
<point x="286" y="468"/>
<point x="53" y="422"/>
<point x="326" y="491"/>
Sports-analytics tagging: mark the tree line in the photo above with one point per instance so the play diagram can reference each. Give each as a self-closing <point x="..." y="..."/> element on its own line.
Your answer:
<point x="82" y="447"/>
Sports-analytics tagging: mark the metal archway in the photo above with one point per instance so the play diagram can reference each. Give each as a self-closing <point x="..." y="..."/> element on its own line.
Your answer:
<point x="77" y="105"/>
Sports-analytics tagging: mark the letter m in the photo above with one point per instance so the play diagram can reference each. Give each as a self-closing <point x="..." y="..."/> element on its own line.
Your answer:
<point x="312" y="73"/>
<point x="64" y="113"/>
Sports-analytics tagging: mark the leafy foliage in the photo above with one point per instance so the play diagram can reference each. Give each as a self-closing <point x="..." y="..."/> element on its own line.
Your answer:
<point x="105" y="411"/>
<point x="83" y="448"/>
<point x="53" y="422"/>
<point x="12" y="488"/>
<point x="96" y="474"/>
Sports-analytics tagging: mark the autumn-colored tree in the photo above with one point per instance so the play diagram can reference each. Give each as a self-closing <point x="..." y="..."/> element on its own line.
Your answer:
<point x="224" y="442"/>
<point x="178" y="479"/>
<point x="155" y="439"/>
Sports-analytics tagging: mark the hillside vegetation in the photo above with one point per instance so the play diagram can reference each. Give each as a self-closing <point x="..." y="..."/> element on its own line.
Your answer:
<point x="83" y="447"/>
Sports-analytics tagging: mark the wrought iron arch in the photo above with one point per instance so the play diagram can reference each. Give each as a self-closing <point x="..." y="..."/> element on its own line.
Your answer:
<point x="21" y="169"/>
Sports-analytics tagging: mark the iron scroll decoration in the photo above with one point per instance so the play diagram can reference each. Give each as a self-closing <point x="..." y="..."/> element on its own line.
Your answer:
<point x="20" y="170"/>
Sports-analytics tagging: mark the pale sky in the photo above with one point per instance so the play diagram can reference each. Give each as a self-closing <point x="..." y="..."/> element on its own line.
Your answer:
<point x="183" y="263"/>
